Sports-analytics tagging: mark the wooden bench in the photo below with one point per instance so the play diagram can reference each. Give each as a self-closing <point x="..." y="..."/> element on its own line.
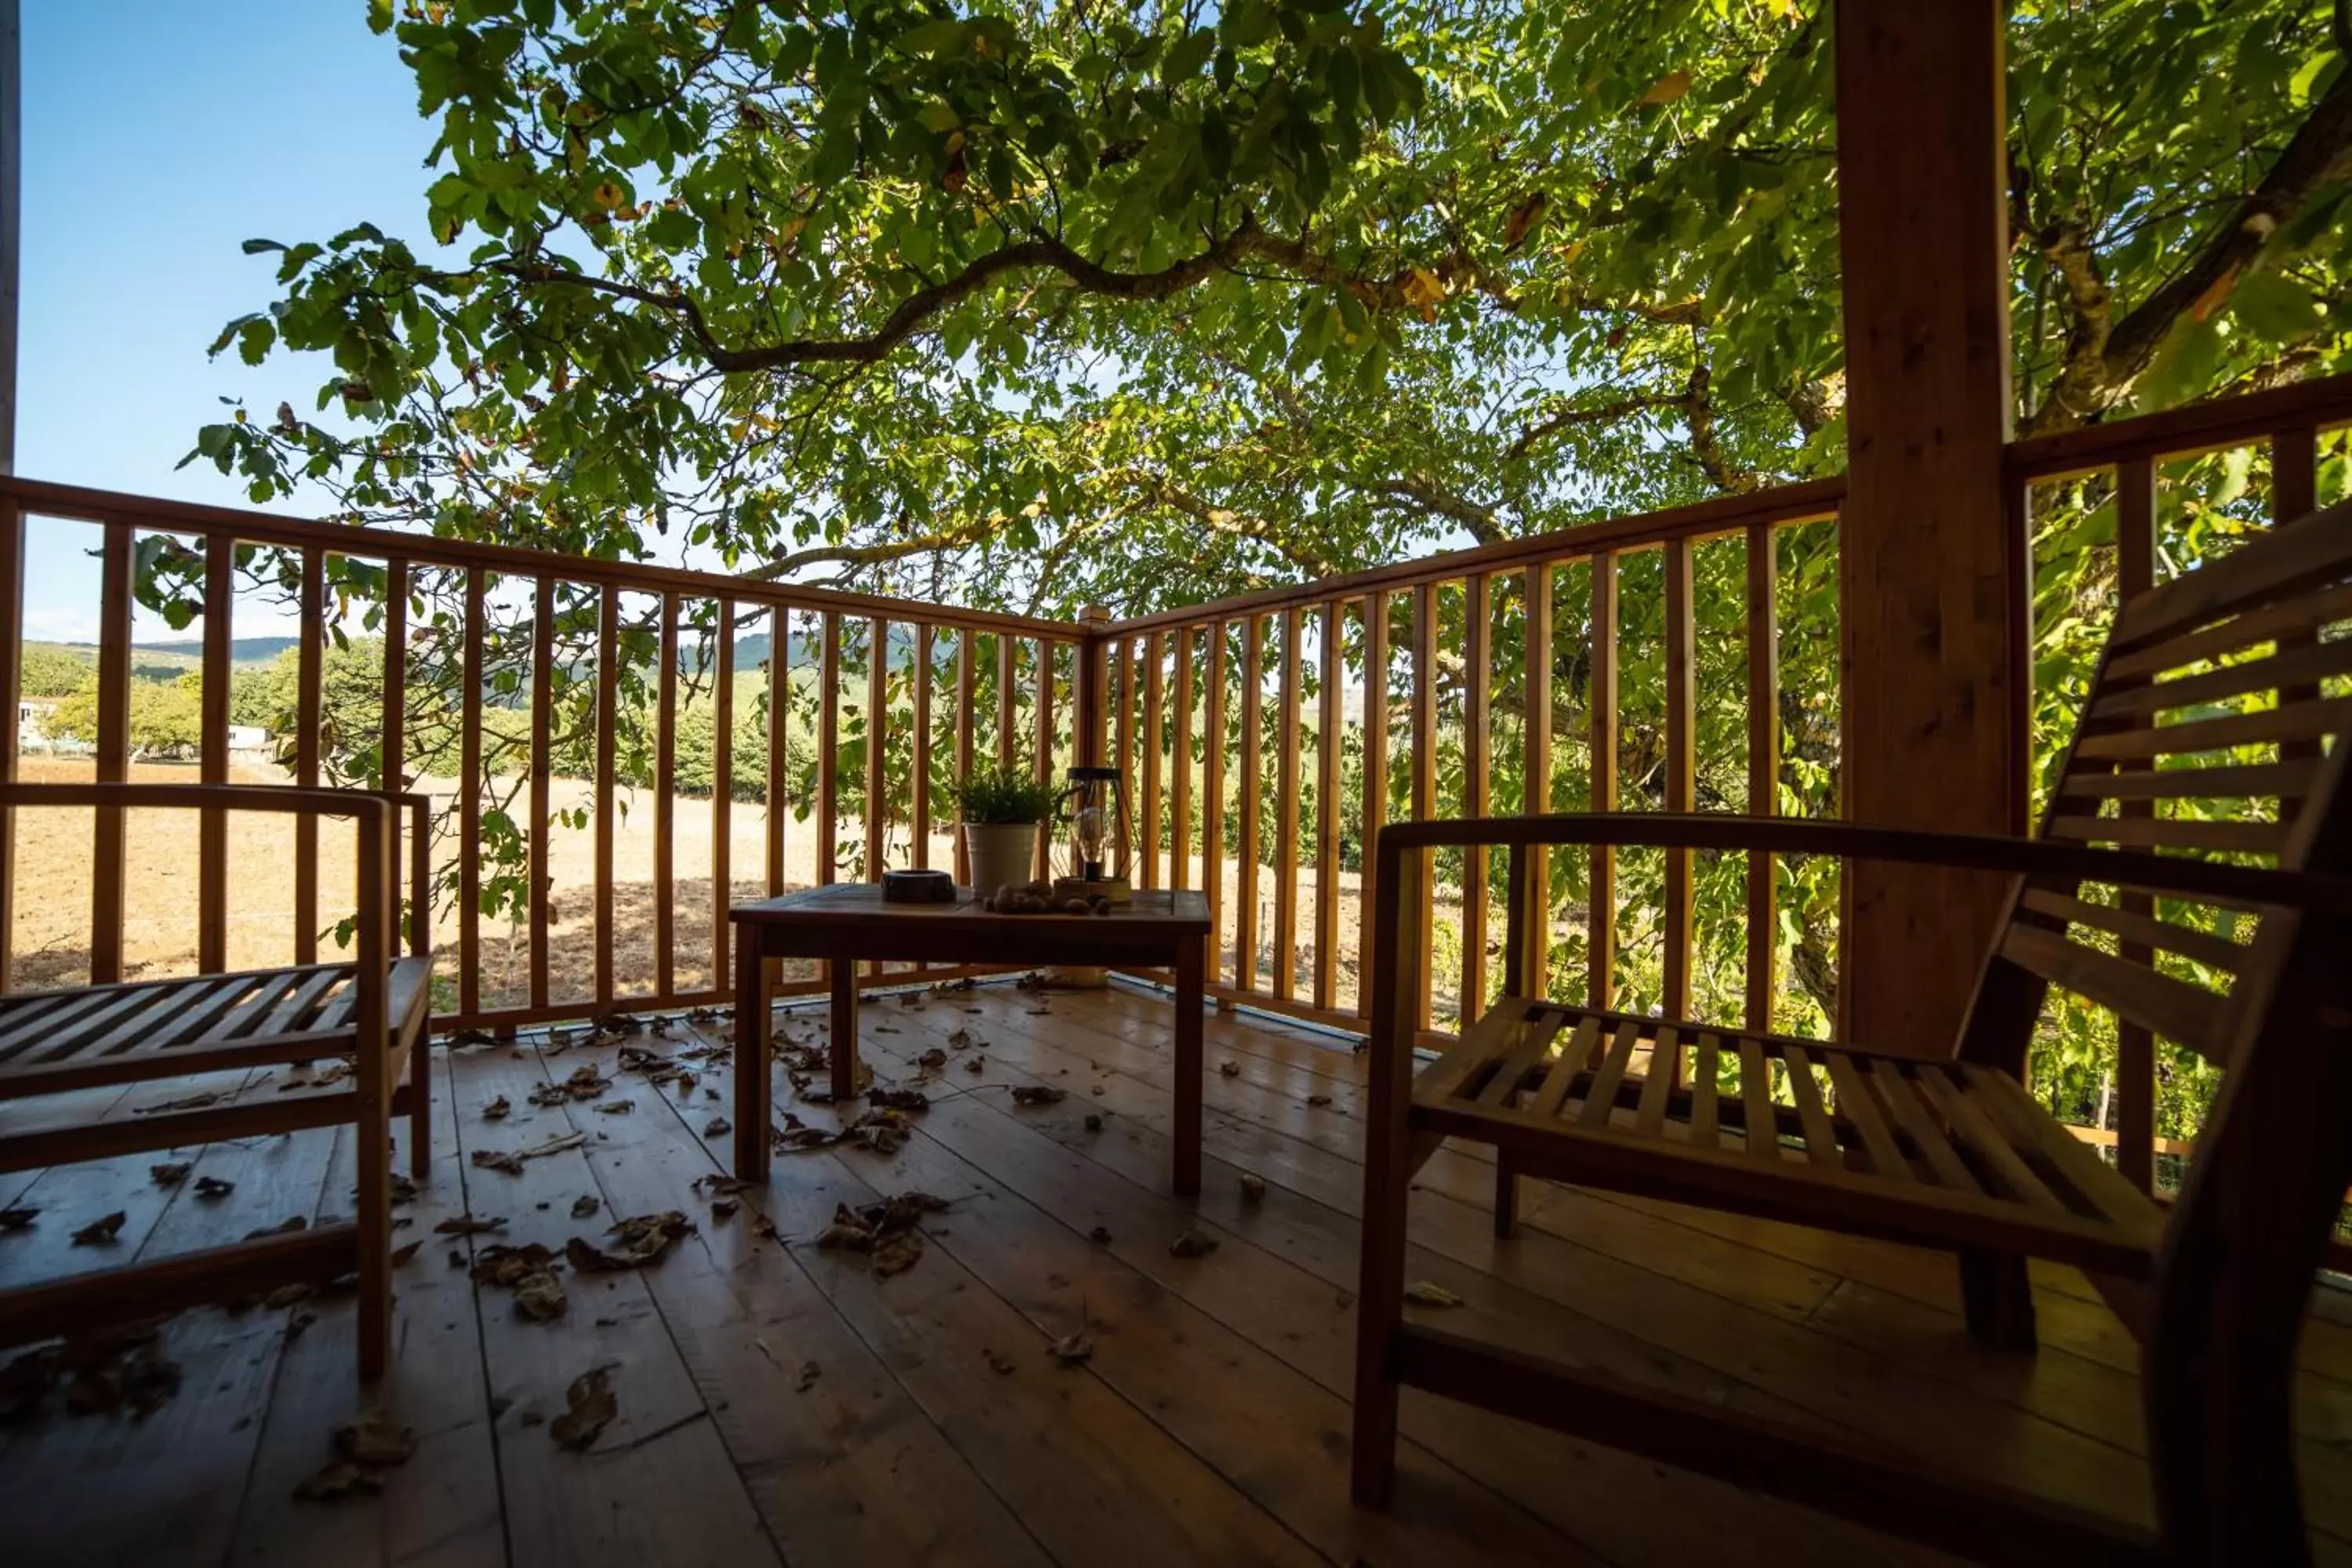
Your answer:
<point x="371" y="1011"/>
<point x="2226" y="930"/>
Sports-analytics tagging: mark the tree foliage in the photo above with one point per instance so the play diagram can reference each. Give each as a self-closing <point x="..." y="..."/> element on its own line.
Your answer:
<point x="1037" y="305"/>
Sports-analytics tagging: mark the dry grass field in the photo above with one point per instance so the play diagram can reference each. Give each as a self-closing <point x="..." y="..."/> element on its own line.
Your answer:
<point x="51" y="914"/>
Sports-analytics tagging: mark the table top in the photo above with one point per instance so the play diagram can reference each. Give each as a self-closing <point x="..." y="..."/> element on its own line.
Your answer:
<point x="1160" y="912"/>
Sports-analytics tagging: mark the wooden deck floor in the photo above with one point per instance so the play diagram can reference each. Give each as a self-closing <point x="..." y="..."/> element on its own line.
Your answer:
<point x="783" y="1403"/>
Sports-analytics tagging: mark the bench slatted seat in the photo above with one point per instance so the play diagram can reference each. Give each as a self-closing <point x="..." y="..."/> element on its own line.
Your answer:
<point x="370" y="1012"/>
<point x="2193" y="877"/>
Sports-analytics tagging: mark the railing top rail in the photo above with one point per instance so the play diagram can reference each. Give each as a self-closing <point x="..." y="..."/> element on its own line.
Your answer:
<point x="1722" y="514"/>
<point x="2182" y="432"/>
<point x="46" y="498"/>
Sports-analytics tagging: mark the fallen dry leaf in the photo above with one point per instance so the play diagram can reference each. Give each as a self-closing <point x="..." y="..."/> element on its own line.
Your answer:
<point x="899" y="1098"/>
<point x="401" y="1254"/>
<point x="467" y="1225"/>
<point x="375" y="1439"/>
<point x="1094" y="1121"/>
<point x="593" y="1409"/>
<point x="1038" y="1094"/>
<point x="1099" y="1236"/>
<point x="1192" y="1244"/>
<point x="616" y="1108"/>
<point x="1074" y="1348"/>
<point x="1428" y="1293"/>
<point x="554" y="1146"/>
<point x="643" y="1239"/>
<point x="1318" y="1099"/>
<point x="540" y="1297"/>
<point x="1253" y="1188"/>
<point x="17" y="1216"/>
<point x="498" y="1160"/>
<point x="213" y="1187"/>
<point x="496" y="1110"/>
<point x="1228" y="1069"/>
<point x="999" y="1363"/>
<point x="169" y="1174"/>
<point x="898" y="1254"/>
<point x="810" y="1372"/>
<point x="100" y="1230"/>
<point x="339" y="1479"/>
<point x="584" y="1206"/>
<point x="718" y="1126"/>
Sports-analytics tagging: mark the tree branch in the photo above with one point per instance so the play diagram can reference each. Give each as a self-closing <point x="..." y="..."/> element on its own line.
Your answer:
<point x="2101" y="372"/>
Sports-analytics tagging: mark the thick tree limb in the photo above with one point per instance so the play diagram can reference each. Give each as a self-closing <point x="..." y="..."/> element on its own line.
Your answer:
<point x="2102" y="362"/>
<point x="1425" y="494"/>
<point x="1545" y="429"/>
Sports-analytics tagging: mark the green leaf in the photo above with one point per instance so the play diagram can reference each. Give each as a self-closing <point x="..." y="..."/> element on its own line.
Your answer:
<point x="1186" y="59"/>
<point x="257" y="246"/>
<point x="946" y="37"/>
<point x="2275" y="306"/>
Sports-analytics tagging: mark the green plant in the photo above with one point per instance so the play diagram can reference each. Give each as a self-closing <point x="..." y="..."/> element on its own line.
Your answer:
<point x="1001" y="794"/>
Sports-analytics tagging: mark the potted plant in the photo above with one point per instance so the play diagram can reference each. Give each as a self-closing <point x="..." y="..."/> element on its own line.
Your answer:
<point x="1000" y="811"/>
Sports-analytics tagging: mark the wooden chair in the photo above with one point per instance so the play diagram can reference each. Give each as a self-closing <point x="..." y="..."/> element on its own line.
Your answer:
<point x="371" y="1011"/>
<point x="1951" y="1151"/>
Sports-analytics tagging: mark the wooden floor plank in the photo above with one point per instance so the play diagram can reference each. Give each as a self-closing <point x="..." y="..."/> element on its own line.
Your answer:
<point x="1210" y="1424"/>
<point x="442" y="1507"/>
<point x="846" y="1470"/>
<point x="655" y="1487"/>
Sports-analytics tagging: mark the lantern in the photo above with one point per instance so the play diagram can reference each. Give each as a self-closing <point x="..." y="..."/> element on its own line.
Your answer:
<point x="1094" y="806"/>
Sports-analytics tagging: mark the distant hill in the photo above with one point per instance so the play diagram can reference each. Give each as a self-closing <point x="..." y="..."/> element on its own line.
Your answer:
<point x="187" y="653"/>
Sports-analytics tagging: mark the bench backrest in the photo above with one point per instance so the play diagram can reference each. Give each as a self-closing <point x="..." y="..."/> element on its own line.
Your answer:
<point x="2217" y="725"/>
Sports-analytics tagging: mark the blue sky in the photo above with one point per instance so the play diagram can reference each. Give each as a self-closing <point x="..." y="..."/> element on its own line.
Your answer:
<point x="157" y="135"/>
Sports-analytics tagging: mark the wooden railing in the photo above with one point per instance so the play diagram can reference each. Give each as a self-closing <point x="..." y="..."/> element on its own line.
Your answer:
<point x="1196" y="692"/>
<point x="1244" y="728"/>
<point x="541" y="652"/>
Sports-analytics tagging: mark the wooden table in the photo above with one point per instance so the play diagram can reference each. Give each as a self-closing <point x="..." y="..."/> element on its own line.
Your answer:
<point x="848" y="921"/>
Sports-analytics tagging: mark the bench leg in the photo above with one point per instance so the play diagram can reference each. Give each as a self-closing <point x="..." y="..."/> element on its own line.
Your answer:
<point x="1998" y="1300"/>
<point x="420" y="1109"/>
<point x="1507" y="1197"/>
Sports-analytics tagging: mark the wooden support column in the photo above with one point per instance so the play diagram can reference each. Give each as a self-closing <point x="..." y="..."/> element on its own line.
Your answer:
<point x="1933" y="553"/>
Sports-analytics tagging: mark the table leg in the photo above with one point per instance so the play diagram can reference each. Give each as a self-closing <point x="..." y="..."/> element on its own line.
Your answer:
<point x="843" y="972"/>
<point x="1188" y="960"/>
<point x="751" y="1058"/>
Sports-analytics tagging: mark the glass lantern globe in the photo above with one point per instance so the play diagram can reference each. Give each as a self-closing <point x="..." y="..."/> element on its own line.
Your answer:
<point x="1095" y="806"/>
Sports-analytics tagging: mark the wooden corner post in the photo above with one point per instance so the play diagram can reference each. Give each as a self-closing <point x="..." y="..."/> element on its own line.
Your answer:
<point x="1933" y="560"/>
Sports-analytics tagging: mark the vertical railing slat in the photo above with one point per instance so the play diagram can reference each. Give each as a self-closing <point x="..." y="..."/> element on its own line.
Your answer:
<point x="1213" y="799"/>
<point x="1477" y="673"/>
<point x="394" y="754"/>
<point x="666" y="802"/>
<point x="542" y="764"/>
<point x="1245" y="834"/>
<point x="1179" y="786"/>
<point x="967" y="697"/>
<point x="308" y="696"/>
<point x="1374" y="804"/>
<point x="1008" y="701"/>
<point x="918" y="806"/>
<point x="608" y="709"/>
<point x="878" y="738"/>
<point x="1285" y="805"/>
<point x="1044" y="747"/>
<point x="112" y="762"/>
<point x="1124" y="702"/>
<point x="1328" y="756"/>
<point x="1155" y="650"/>
<point x="828" y="745"/>
<point x="780" y="684"/>
<point x="1532" y="907"/>
<point x="1682" y="743"/>
<point x="1763" y="766"/>
<point x="2134" y="1046"/>
<point x="1600" y="699"/>
<point x="722" y="790"/>
<point x="469" y="802"/>
<point x="12" y="678"/>
<point x="1425" y="780"/>
<point x="212" y="832"/>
